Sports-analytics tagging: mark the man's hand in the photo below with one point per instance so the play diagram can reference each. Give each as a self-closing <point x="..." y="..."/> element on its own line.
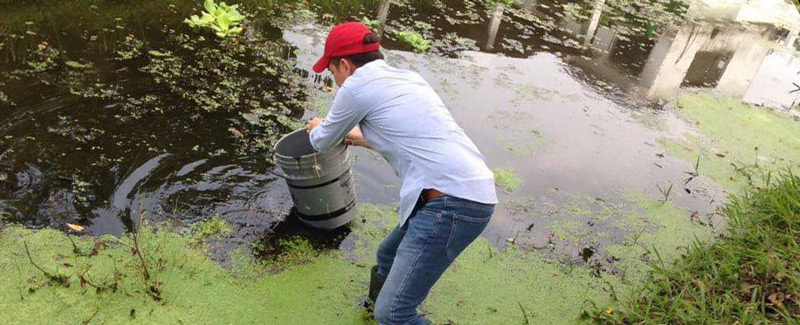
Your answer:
<point x="315" y="122"/>
<point x="356" y="138"/>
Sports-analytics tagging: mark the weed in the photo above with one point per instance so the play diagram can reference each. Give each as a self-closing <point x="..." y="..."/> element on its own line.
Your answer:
<point x="749" y="275"/>
<point x="665" y="193"/>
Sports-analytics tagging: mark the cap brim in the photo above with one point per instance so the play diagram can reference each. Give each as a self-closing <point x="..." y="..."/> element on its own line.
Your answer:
<point x="321" y="65"/>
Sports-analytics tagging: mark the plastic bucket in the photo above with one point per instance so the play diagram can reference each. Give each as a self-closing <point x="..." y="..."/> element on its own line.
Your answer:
<point x="321" y="185"/>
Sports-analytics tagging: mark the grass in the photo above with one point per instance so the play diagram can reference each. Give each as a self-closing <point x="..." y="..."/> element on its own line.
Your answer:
<point x="750" y="275"/>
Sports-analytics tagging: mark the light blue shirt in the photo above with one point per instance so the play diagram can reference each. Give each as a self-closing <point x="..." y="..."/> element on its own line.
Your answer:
<point x="405" y="121"/>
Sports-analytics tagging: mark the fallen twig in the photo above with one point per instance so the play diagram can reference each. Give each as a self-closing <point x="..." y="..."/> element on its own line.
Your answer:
<point x="524" y="313"/>
<point x="86" y="322"/>
<point x="137" y="250"/>
<point x="75" y="248"/>
<point x="57" y="278"/>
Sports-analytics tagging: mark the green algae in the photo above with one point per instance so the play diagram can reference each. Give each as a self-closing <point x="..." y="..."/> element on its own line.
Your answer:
<point x="211" y="228"/>
<point x="507" y="179"/>
<point x="488" y="288"/>
<point x="483" y="286"/>
<point x="520" y="140"/>
<point x="656" y="227"/>
<point x="194" y="289"/>
<point x="567" y="229"/>
<point x="737" y="141"/>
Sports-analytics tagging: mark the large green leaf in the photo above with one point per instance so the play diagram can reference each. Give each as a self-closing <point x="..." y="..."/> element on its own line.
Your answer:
<point x="210" y="6"/>
<point x="224" y="22"/>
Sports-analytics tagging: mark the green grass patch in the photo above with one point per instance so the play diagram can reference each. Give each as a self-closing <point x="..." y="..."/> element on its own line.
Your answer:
<point x="507" y="179"/>
<point x="750" y="275"/>
<point x="737" y="140"/>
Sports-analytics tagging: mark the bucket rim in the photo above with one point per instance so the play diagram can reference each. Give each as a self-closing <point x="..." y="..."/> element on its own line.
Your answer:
<point x="283" y="138"/>
<point x="280" y="156"/>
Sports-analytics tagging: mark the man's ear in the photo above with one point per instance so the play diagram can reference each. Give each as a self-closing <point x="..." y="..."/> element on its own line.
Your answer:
<point x="350" y="66"/>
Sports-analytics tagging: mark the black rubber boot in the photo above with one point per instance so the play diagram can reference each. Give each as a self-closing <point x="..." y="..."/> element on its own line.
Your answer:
<point x="375" y="284"/>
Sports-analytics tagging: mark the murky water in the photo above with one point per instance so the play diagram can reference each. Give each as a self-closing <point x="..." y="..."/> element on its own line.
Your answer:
<point x="568" y="96"/>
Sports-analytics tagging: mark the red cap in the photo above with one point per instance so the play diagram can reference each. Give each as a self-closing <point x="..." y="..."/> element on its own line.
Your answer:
<point x="345" y="39"/>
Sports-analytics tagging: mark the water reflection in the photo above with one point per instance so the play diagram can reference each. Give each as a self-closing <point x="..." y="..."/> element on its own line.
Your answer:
<point x="494" y="25"/>
<point x="722" y="47"/>
<point x="597" y="12"/>
<point x="383" y="14"/>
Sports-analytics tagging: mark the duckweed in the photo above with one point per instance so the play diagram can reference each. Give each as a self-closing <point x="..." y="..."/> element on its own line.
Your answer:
<point x="738" y="142"/>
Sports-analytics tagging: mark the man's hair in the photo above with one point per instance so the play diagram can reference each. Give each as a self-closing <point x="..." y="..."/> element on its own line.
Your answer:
<point x="361" y="59"/>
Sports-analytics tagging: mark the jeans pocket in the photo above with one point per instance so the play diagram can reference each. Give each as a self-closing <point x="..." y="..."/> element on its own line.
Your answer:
<point x="463" y="231"/>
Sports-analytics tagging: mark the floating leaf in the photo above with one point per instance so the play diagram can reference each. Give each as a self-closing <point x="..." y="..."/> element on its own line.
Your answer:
<point x="75" y="227"/>
<point x="158" y="54"/>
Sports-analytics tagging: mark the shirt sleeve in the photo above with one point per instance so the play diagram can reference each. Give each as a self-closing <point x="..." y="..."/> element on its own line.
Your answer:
<point x="344" y="115"/>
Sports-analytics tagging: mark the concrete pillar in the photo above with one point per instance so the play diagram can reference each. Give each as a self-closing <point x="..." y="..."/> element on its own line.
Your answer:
<point x="494" y="25"/>
<point x="791" y="38"/>
<point x="383" y="14"/>
<point x="597" y="13"/>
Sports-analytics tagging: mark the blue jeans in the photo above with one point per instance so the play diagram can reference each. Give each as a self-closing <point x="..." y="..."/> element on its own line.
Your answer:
<point x="414" y="255"/>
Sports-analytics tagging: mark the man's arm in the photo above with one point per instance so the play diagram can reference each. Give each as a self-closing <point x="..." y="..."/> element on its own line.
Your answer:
<point x="356" y="138"/>
<point x="341" y="120"/>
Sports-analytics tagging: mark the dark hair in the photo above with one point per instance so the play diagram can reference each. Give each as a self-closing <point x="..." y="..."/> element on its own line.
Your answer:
<point x="361" y="59"/>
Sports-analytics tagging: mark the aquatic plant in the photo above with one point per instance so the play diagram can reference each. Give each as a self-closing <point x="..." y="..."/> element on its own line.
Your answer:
<point x="334" y="281"/>
<point x="415" y="39"/>
<point x="373" y="24"/>
<point x="506" y="179"/>
<point x="209" y="229"/>
<point x="161" y="81"/>
<point x="635" y="17"/>
<point x="44" y="58"/>
<point x="223" y="19"/>
<point x="492" y="4"/>
<point x="665" y="193"/>
<point x="737" y="141"/>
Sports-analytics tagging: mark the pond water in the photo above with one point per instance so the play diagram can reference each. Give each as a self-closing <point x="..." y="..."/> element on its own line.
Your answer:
<point x="113" y="109"/>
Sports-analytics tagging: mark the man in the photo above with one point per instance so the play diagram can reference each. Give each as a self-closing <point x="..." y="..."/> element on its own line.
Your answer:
<point x="448" y="193"/>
